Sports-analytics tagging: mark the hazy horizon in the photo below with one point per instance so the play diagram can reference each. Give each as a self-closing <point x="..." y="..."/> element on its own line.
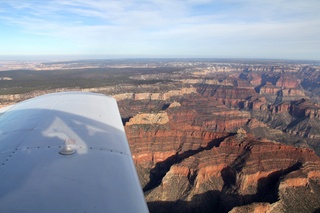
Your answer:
<point x="67" y="58"/>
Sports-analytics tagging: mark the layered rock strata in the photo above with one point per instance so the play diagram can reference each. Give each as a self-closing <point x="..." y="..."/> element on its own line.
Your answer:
<point x="241" y="174"/>
<point x="222" y="138"/>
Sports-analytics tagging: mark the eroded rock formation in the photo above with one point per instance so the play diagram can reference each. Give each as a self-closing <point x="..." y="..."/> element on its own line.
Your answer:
<point x="239" y="138"/>
<point x="239" y="172"/>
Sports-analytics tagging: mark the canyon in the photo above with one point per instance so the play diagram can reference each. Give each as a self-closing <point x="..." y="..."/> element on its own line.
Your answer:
<point x="220" y="137"/>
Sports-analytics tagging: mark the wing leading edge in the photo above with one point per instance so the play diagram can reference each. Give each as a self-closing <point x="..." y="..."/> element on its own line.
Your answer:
<point x="97" y="175"/>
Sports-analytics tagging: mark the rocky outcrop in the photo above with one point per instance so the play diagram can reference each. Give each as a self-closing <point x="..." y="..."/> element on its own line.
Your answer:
<point x="239" y="172"/>
<point x="292" y="94"/>
<point x="255" y="79"/>
<point x="251" y="77"/>
<point x="183" y="165"/>
<point x="174" y="104"/>
<point x="228" y="96"/>
<point x="296" y="118"/>
<point x="149" y="118"/>
<point x="270" y="91"/>
<point x="254" y="123"/>
<point x="287" y="82"/>
<point x="305" y="108"/>
<point x="226" y="121"/>
<point x="222" y="137"/>
<point x="154" y="96"/>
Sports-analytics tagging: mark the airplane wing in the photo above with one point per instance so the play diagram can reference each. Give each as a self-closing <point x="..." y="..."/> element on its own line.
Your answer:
<point x="67" y="152"/>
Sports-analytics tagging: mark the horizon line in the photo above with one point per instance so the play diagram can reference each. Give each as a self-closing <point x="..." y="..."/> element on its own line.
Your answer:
<point x="79" y="57"/>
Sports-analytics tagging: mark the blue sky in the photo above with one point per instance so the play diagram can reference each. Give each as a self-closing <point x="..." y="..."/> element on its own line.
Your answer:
<point x="279" y="29"/>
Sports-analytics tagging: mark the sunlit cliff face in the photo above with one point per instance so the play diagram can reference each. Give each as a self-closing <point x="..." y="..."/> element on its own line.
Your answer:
<point x="222" y="139"/>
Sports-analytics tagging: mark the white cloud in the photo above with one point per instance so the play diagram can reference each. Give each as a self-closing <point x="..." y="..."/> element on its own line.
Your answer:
<point x="156" y="25"/>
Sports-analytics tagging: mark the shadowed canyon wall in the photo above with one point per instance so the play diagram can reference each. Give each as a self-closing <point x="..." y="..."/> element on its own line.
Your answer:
<point x="230" y="138"/>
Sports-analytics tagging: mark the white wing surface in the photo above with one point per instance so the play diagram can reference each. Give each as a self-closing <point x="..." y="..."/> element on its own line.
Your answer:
<point x="67" y="152"/>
